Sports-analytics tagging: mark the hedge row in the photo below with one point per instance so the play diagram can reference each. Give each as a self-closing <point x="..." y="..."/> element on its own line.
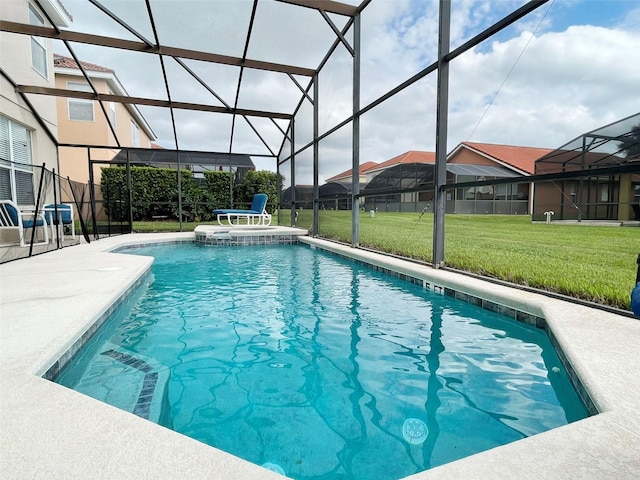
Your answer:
<point x="155" y="192"/>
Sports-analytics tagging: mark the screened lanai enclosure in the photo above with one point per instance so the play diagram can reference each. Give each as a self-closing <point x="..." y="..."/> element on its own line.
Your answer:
<point x="608" y="185"/>
<point x="308" y="89"/>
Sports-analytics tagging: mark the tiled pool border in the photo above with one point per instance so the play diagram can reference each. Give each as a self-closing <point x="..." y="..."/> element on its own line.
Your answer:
<point x="54" y="370"/>
<point x="228" y="238"/>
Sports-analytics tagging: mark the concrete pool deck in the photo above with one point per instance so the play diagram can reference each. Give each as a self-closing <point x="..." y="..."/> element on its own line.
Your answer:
<point x="48" y="431"/>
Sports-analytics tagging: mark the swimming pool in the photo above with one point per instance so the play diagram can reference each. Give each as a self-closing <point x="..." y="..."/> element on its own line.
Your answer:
<point x="366" y="376"/>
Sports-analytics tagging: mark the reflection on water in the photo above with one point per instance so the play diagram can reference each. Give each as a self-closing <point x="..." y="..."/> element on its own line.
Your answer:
<point x="302" y="362"/>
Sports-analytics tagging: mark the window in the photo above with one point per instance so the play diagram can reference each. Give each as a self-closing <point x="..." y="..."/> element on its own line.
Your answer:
<point x="80" y="110"/>
<point x="135" y="135"/>
<point x="604" y="193"/>
<point x="16" y="171"/>
<point x="112" y="114"/>
<point x="38" y="45"/>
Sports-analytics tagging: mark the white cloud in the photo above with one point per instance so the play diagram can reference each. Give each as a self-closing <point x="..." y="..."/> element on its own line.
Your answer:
<point x="631" y="21"/>
<point x="565" y="82"/>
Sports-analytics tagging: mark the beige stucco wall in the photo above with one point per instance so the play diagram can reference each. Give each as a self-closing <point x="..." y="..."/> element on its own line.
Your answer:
<point x="467" y="157"/>
<point x="15" y="59"/>
<point x="73" y="161"/>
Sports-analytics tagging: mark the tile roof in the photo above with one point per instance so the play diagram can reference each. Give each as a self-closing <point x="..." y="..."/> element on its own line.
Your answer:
<point x="347" y="173"/>
<point x="68" y="62"/>
<point x="412" y="156"/>
<point x="522" y="158"/>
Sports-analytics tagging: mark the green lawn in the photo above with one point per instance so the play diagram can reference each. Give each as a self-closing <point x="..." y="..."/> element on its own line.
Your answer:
<point x="596" y="263"/>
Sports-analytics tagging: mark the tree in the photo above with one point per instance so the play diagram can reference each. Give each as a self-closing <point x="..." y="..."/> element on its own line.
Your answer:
<point x="262" y="181"/>
<point x="630" y="146"/>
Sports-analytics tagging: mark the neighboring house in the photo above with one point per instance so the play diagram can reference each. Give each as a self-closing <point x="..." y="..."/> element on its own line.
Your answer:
<point x="27" y="138"/>
<point x="340" y="185"/>
<point x="368" y="170"/>
<point x="406" y="158"/>
<point x="613" y="195"/>
<point x="197" y="162"/>
<point x="83" y="122"/>
<point x="468" y="162"/>
<point x="410" y="170"/>
<point x="346" y="176"/>
<point x="471" y="161"/>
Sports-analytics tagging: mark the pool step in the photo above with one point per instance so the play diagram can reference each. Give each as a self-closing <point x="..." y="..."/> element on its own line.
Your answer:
<point x="129" y="381"/>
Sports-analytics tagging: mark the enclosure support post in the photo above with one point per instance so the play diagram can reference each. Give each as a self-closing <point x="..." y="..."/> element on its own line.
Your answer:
<point x="92" y="197"/>
<point x="293" y="174"/>
<point x="439" y="209"/>
<point x="581" y="181"/>
<point x="129" y="192"/>
<point x="179" y="191"/>
<point x="278" y="189"/>
<point x="55" y="207"/>
<point x="38" y="203"/>
<point x="355" y="166"/>
<point x="316" y="188"/>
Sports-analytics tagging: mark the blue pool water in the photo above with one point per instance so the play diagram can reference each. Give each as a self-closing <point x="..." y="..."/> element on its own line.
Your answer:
<point x="320" y="368"/>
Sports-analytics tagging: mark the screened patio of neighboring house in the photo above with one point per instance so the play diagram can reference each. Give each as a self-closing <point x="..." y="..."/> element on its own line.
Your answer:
<point x="596" y="176"/>
<point x="335" y="196"/>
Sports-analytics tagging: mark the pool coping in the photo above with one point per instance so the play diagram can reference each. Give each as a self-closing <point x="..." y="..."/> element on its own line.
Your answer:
<point x="48" y="431"/>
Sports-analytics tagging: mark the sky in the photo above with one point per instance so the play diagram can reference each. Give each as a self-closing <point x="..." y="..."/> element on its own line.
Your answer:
<point x="568" y="67"/>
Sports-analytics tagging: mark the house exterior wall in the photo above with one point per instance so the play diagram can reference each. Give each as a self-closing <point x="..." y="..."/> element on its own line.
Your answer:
<point x="15" y="59"/>
<point x="465" y="156"/>
<point x="507" y="199"/>
<point x="74" y="161"/>
<point x="591" y="198"/>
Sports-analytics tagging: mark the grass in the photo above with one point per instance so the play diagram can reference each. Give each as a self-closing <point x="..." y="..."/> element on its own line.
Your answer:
<point x="595" y="263"/>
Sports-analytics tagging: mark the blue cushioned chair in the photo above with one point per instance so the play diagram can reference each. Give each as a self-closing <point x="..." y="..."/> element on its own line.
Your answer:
<point x="60" y="215"/>
<point x="11" y="217"/>
<point x="256" y="215"/>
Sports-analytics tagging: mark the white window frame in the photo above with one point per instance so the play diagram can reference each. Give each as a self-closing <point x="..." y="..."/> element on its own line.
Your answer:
<point x="17" y="146"/>
<point x="135" y="134"/>
<point x="80" y="102"/>
<point x="38" y="44"/>
<point x="112" y="114"/>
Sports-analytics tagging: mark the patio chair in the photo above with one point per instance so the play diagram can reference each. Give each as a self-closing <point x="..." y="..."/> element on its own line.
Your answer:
<point x="60" y="215"/>
<point x="255" y="215"/>
<point x="11" y="217"/>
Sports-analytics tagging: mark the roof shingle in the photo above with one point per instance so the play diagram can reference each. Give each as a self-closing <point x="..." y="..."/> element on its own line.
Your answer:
<point x="67" y="62"/>
<point x="347" y="173"/>
<point x="522" y="158"/>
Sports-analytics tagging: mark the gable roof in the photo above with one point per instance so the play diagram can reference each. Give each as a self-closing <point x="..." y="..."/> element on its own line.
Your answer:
<point x="347" y="173"/>
<point x="412" y="156"/>
<point x="516" y="157"/>
<point x="68" y="62"/>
